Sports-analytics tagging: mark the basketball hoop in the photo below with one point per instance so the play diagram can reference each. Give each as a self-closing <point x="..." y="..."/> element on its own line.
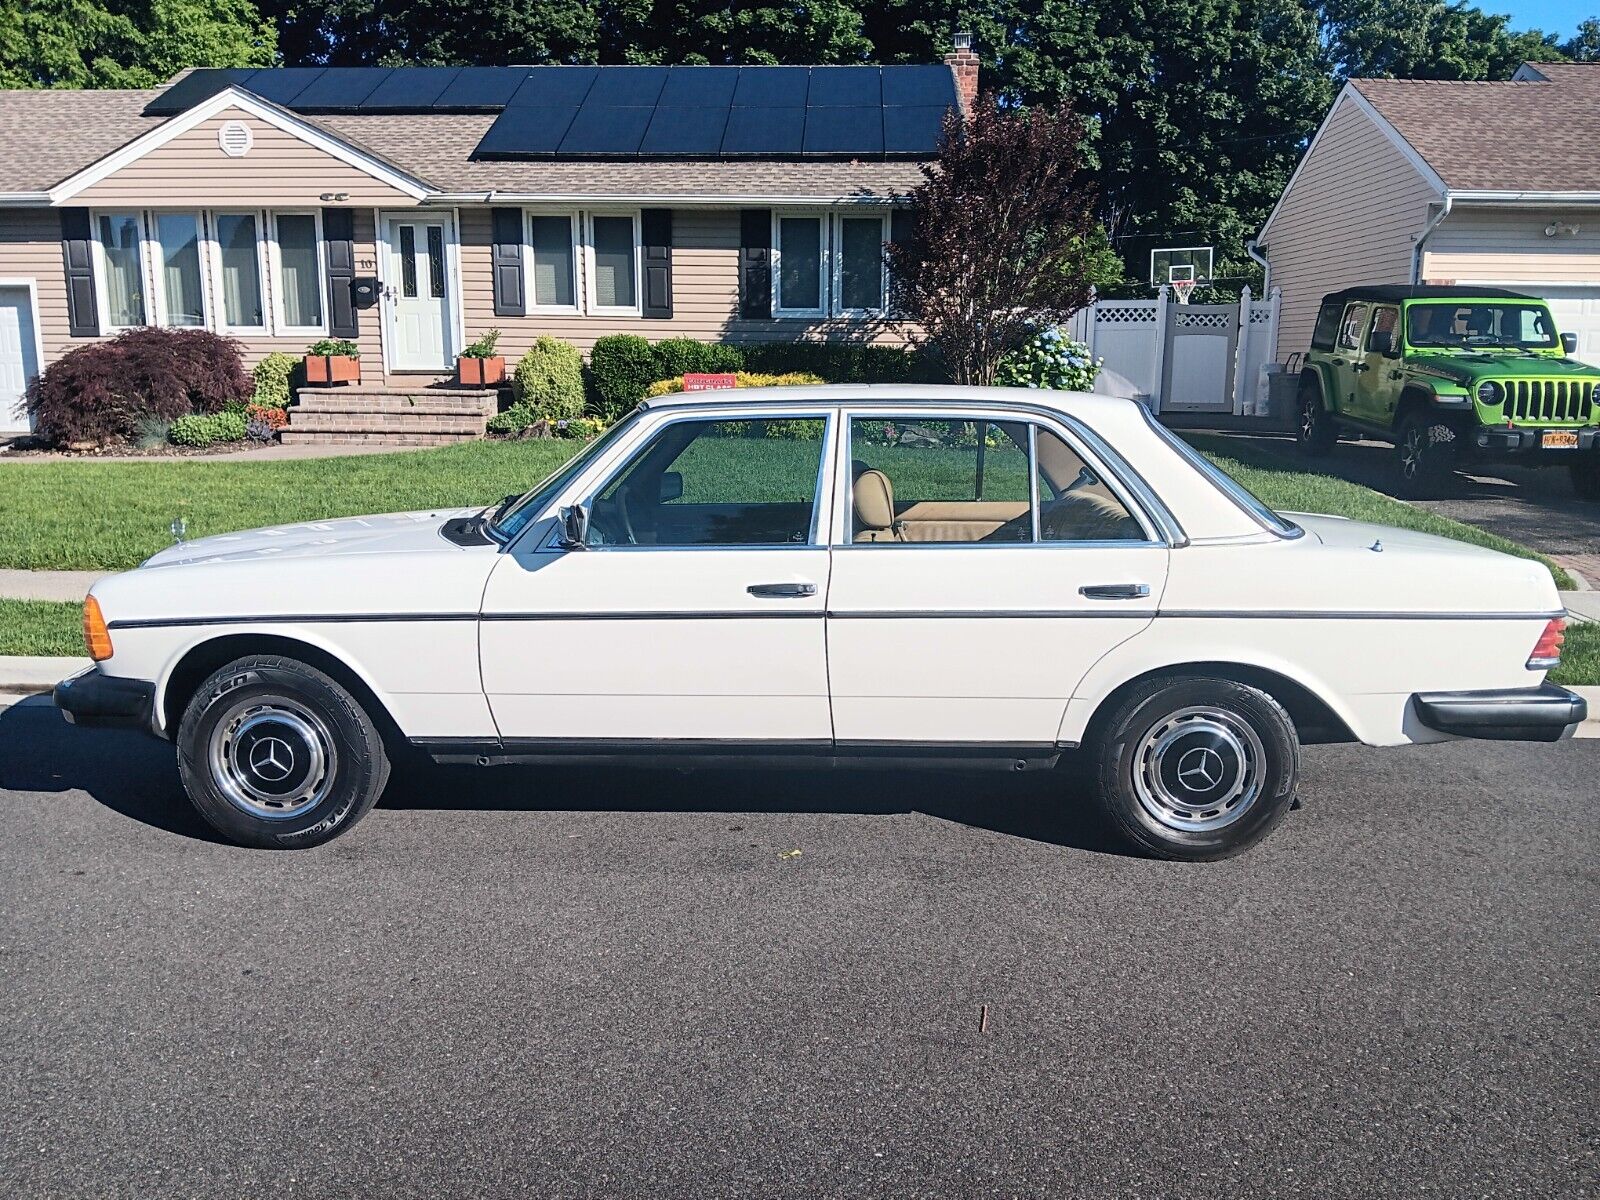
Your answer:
<point x="1182" y="288"/>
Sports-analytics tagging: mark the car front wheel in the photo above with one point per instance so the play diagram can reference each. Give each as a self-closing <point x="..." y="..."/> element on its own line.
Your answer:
<point x="1316" y="431"/>
<point x="1196" y="768"/>
<point x="276" y="754"/>
<point x="1426" y="452"/>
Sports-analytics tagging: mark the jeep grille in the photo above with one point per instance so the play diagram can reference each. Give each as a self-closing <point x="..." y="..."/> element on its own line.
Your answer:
<point x="1565" y="400"/>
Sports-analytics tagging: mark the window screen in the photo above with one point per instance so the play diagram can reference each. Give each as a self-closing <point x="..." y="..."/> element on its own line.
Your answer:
<point x="237" y="242"/>
<point x="552" y="261"/>
<point x="861" y="263"/>
<point x="119" y="244"/>
<point x="800" y="263"/>
<point x="299" y="284"/>
<point x="613" y="263"/>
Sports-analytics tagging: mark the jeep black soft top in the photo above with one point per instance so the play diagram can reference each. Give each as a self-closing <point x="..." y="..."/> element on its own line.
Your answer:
<point x="1394" y="293"/>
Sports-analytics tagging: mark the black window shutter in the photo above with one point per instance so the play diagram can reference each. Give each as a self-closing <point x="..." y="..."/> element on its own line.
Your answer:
<point x="339" y="234"/>
<point x="83" y="309"/>
<point x="755" y="263"/>
<point x="505" y="259"/>
<point x="656" y="236"/>
<point x="900" y="226"/>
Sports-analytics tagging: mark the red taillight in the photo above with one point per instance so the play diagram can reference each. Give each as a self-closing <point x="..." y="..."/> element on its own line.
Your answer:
<point x="1547" y="650"/>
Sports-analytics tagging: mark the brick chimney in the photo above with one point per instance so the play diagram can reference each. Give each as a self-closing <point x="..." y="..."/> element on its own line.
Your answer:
<point x="963" y="63"/>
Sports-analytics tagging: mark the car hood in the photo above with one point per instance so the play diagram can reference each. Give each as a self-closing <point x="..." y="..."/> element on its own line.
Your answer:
<point x="388" y="533"/>
<point x="1469" y="365"/>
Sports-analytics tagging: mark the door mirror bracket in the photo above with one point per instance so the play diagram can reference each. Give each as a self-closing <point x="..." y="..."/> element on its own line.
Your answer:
<point x="574" y="528"/>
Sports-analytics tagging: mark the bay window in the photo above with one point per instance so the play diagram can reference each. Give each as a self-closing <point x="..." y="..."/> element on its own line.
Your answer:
<point x="120" y="237"/>
<point x="614" y="263"/>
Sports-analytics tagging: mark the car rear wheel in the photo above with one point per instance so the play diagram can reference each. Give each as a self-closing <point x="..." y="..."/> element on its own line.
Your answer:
<point x="1426" y="452"/>
<point x="1316" y="431"/>
<point x="276" y="754"/>
<point x="1196" y="768"/>
<point x="1586" y="476"/>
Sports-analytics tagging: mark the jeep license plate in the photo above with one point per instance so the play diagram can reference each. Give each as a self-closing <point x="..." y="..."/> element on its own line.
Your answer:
<point x="1559" y="439"/>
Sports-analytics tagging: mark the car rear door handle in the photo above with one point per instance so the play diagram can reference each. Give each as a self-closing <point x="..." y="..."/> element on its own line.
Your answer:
<point x="778" y="590"/>
<point x="1115" y="591"/>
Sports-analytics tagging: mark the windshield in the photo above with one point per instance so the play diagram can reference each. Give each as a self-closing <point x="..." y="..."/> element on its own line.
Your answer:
<point x="1455" y="324"/>
<point x="507" y="524"/>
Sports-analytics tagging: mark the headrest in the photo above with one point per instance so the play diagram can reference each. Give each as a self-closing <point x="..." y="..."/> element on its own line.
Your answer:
<point x="874" y="496"/>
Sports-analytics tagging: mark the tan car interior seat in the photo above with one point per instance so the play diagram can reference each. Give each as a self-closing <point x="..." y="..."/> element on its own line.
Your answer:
<point x="874" y="505"/>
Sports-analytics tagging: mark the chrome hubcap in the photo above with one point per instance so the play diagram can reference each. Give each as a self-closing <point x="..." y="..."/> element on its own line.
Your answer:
<point x="1198" y="769"/>
<point x="273" y="758"/>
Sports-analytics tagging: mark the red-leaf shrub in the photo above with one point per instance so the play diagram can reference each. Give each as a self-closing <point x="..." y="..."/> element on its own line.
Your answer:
<point x="273" y="418"/>
<point x="97" y="393"/>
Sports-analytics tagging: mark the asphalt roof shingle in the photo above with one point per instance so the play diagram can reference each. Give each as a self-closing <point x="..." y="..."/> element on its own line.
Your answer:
<point x="1535" y="135"/>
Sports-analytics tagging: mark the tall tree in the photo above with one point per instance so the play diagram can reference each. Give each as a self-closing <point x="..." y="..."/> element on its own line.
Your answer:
<point x="1584" y="46"/>
<point x="127" y="43"/>
<point x="1425" y="39"/>
<point x="1000" y="240"/>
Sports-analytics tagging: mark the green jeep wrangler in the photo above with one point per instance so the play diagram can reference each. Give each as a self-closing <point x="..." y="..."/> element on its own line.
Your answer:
<point x="1449" y="375"/>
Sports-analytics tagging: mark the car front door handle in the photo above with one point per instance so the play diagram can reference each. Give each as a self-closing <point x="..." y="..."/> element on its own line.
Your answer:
<point x="780" y="590"/>
<point x="1115" y="591"/>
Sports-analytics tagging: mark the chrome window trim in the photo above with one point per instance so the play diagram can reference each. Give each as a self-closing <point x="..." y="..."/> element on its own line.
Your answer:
<point x="1238" y="495"/>
<point x="1160" y="526"/>
<point x="805" y="413"/>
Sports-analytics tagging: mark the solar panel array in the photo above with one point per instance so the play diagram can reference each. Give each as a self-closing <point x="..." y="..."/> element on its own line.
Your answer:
<point x="627" y="111"/>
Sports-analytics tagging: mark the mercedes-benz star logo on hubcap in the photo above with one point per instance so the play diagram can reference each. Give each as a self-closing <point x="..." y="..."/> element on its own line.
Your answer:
<point x="1200" y="769"/>
<point x="272" y="759"/>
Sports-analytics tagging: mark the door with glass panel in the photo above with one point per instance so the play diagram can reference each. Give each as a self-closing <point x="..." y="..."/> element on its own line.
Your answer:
<point x="982" y="564"/>
<point x="695" y="613"/>
<point x="417" y="293"/>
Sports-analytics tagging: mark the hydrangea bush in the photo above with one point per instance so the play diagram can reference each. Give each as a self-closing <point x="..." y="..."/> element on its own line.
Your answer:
<point x="1050" y="360"/>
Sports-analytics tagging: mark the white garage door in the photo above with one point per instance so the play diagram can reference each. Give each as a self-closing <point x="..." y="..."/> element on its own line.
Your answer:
<point x="19" y="357"/>
<point x="1577" y="310"/>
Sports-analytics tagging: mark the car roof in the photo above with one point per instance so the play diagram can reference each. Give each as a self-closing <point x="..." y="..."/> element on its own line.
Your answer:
<point x="1395" y="292"/>
<point x="1085" y="404"/>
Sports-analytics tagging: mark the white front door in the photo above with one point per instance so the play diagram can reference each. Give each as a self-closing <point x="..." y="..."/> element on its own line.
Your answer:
<point x="954" y="615"/>
<point x="19" y="356"/>
<point x="696" y="613"/>
<point x="417" y="287"/>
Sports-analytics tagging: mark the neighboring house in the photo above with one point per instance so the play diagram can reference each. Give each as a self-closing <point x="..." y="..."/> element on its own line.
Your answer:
<point x="1411" y="181"/>
<point x="412" y="209"/>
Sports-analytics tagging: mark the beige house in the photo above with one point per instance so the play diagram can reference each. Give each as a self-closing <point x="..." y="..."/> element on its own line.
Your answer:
<point x="412" y="209"/>
<point x="1411" y="181"/>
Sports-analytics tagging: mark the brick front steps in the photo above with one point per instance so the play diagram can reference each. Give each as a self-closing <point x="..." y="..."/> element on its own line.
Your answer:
<point x="388" y="415"/>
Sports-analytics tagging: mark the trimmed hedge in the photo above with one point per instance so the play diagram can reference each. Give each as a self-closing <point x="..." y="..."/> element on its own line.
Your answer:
<point x="549" y="380"/>
<point x="274" y="379"/>
<point x="685" y="356"/>
<point x="744" y="379"/>
<point x="621" y="366"/>
<point x="840" y="362"/>
<point x="98" y="393"/>
<point x="206" y="429"/>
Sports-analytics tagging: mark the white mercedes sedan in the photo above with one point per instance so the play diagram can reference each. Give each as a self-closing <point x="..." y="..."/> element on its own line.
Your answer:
<point x="905" y="576"/>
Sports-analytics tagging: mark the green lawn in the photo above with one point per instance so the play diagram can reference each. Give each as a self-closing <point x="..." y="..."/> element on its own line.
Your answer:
<point x="1284" y="487"/>
<point x="41" y="627"/>
<point x="1580" y="657"/>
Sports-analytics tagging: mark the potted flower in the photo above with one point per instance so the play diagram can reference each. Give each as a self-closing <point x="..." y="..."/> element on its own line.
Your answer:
<point x="478" y="365"/>
<point x="333" y="360"/>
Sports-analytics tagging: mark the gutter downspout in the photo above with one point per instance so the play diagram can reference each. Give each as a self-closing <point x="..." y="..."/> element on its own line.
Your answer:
<point x="1427" y="231"/>
<point x="1254" y="252"/>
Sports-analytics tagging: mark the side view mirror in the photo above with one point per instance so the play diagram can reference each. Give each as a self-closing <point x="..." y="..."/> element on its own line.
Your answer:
<point x="1381" y="342"/>
<point x="1569" y="343"/>
<point x="574" y="528"/>
<point x="671" y="486"/>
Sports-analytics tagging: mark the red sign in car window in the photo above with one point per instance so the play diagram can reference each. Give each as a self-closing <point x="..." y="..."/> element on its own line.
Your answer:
<point x="708" y="383"/>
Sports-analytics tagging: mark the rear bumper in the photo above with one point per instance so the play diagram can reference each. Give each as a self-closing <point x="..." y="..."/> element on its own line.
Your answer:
<point x="1542" y="714"/>
<point x="107" y="701"/>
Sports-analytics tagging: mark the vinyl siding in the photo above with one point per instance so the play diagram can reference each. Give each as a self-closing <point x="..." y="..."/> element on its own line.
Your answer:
<point x="1349" y="218"/>
<point x="30" y="247"/>
<point x="280" y="170"/>
<point x="1508" y="246"/>
<point x="705" y="295"/>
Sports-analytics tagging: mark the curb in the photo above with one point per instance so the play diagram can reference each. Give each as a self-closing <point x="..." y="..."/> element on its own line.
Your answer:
<point x="22" y="675"/>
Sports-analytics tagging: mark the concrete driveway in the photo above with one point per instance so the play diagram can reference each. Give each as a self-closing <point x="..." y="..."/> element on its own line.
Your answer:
<point x="618" y="983"/>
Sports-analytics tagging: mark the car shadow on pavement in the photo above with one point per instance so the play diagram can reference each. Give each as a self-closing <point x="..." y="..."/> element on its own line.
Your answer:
<point x="136" y="776"/>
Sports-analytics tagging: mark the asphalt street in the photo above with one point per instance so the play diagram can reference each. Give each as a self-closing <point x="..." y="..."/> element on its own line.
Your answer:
<point x="617" y="983"/>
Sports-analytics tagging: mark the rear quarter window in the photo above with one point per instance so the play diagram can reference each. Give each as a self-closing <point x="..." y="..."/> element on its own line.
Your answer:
<point x="1327" y="326"/>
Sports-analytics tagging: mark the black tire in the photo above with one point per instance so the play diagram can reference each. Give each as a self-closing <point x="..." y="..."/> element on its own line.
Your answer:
<point x="1160" y="732"/>
<point x="263" y="715"/>
<point x="1425" y="452"/>
<point x="1315" y="431"/>
<point x="1586" y="476"/>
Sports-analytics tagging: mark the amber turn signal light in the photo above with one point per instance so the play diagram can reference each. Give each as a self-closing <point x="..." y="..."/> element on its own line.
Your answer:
<point x="1547" y="650"/>
<point x="95" y="634"/>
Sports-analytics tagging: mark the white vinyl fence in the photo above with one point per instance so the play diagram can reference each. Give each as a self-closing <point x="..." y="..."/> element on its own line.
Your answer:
<point x="1185" y="357"/>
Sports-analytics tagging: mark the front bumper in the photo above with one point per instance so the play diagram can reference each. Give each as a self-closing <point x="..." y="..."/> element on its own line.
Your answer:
<point x="1542" y="714"/>
<point x="1524" y="442"/>
<point x="107" y="701"/>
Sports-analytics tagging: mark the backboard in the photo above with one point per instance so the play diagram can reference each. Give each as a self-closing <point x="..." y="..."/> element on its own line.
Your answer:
<point x="1174" y="264"/>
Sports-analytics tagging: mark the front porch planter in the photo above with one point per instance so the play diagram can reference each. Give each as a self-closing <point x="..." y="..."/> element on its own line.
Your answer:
<point x="480" y="372"/>
<point x="332" y="362"/>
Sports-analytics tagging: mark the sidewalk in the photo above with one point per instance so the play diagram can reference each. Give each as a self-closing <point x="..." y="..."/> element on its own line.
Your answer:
<point x="264" y="454"/>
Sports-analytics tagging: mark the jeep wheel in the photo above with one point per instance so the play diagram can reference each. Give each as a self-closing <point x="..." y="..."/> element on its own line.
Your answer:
<point x="277" y="755"/>
<point x="1426" y="450"/>
<point x="1196" y="768"/>
<point x="1586" y="476"/>
<point x="1315" y="432"/>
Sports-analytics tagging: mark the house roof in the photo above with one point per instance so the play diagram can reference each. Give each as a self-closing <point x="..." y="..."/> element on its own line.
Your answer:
<point x="1539" y="132"/>
<point x="49" y="136"/>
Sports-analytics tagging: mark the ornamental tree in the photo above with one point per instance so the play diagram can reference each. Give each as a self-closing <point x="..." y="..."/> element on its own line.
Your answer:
<point x="1001" y="237"/>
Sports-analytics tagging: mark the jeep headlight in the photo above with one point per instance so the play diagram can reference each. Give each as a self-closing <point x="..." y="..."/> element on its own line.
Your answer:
<point x="1490" y="392"/>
